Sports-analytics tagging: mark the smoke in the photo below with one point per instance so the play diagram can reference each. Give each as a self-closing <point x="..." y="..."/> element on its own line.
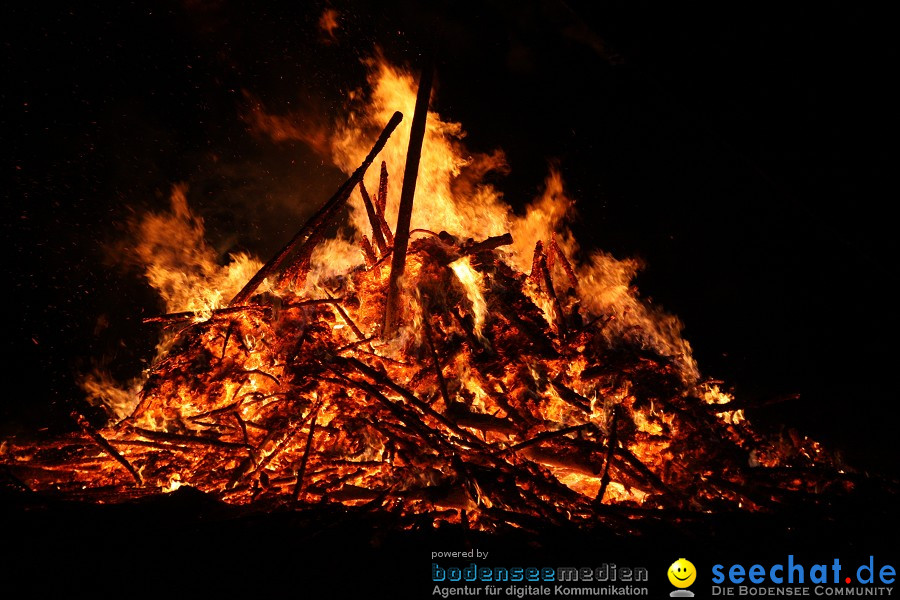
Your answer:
<point x="296" y="125"/>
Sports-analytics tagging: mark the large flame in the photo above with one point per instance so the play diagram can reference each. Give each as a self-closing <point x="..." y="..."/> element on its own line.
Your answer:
<point x="451" y="196"/>
<point x="181" y="266"/>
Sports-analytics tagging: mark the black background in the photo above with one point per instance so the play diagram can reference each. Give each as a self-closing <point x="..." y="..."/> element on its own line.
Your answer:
<point x="744" y="151"/>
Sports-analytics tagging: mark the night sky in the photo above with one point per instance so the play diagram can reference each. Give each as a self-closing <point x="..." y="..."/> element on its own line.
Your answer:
<point x="744" y="152"/>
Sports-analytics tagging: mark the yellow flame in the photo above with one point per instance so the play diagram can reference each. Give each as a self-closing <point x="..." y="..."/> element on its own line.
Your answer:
<point x="711" y="394"/>
<point x="172" y="484"/>
<point x="103" y="390"/>
<point x="473" y="282"/>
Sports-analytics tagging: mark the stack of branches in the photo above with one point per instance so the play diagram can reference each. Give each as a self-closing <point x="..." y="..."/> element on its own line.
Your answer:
<point x="486" y="409"/>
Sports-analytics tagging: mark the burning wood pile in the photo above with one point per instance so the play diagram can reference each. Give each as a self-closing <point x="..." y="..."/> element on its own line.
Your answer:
<point x="482" y="394"/>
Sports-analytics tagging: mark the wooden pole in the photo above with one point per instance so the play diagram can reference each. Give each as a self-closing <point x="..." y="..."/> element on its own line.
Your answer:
<point x="407" y="192"/>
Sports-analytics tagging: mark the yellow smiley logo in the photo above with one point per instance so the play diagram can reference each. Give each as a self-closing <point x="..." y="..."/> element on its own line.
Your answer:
<point x="682" y="573"/>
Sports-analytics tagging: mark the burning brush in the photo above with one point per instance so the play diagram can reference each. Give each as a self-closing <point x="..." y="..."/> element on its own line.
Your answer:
<point x="460" y="367"/>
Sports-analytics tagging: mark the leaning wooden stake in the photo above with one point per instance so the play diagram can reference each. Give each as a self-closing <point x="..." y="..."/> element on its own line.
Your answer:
<point x="322" y="216"/>
<point x="407" y="192"/>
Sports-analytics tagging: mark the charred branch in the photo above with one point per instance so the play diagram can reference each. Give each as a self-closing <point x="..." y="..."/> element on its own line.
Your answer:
<point x="374" y="221"/>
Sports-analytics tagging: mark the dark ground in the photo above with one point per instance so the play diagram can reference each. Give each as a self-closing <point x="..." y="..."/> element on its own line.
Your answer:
<point x="745" y="152"/>
<point x="186" y="544"/>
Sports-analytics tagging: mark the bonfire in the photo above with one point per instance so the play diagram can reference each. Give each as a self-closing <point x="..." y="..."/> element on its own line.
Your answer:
<point x="438" y="356"/>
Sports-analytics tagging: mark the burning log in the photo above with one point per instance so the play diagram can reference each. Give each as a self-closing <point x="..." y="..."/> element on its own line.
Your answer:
<point x="465" y="418"/>
<point x="386" y="229"/>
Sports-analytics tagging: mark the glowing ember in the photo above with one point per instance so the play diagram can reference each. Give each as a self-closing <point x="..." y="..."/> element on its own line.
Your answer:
<point x="523" y="384"/>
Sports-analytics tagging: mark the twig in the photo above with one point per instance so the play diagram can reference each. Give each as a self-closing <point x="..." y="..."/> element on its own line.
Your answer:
<point x="228" y="331"/>
<point x="187" y="315"/>
<point x="356" y="331"/>
<point x="635" y="462"/>
<point x="352" y="345"/>
<point x="263" y="373"/>
<point x="405" y="416"/>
